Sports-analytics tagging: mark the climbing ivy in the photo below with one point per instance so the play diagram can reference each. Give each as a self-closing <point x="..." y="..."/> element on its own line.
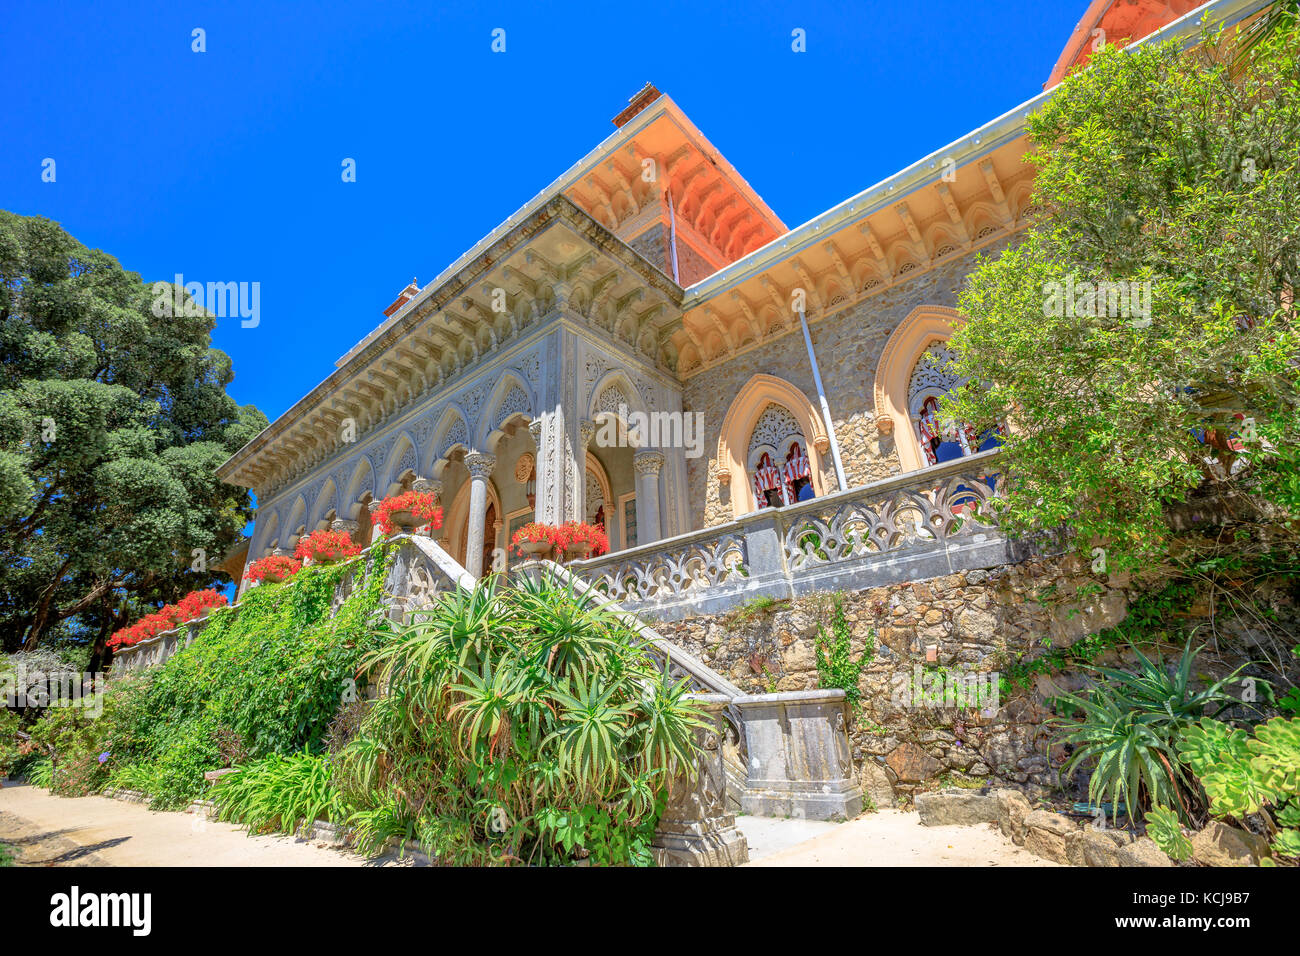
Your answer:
<point x="836" y="667"/>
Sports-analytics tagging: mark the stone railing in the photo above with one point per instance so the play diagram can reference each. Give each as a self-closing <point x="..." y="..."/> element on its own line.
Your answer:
<point x="779" y="754"/>
<point x="910" y="527"/>
<point x="420" y="571"/>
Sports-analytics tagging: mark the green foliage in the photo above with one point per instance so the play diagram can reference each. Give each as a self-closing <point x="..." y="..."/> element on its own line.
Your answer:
<point x="1158" y="166"/>
<point x="1245" y="773"/>
<point x="1130" y="727"/>
<point x="6" y="856"/>
<point x="41" y="773"/>
<point x="836" y="667"/>
<point x="1164" y="828"/>
<point x="268" y="675"/>
<point x="112" y="424"/>
<point x="279" y="792"/>
<point x="522" y="725"/>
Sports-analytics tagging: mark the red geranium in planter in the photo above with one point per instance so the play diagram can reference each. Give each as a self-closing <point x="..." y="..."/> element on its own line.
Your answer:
<point x="326" y="547"/>
<point x="196" y="603"/>
<point x="535" y="539"/>
<point x="273" y="569"/>
<point x="408" y="511"/>
<point x="167" y="618"/>
<point x="578" y="537"/>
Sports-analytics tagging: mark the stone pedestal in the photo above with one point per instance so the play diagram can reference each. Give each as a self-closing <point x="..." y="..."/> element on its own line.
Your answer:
<point x="696" y="829"/>
<point x="800" y="764"/>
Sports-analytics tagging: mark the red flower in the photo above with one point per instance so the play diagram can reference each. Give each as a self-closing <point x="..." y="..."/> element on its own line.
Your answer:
<point x="167" y="618"/>
<point x="276" y="565"/>
<point x="326" y="546"/>
<point x="419" y="503"/>
<point x="561" y="536"/>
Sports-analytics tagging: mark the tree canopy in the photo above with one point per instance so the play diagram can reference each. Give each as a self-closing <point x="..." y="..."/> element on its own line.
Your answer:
<point x="113" y="421"/>
<point x="1140" y="343"/>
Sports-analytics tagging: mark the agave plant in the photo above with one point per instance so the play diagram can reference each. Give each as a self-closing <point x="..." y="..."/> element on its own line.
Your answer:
<point x="1131" y="724"/>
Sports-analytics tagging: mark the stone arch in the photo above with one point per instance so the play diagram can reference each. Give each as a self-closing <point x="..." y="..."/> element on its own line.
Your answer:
<point x="297" y="519"/>
<point x="325" y="501"/>
<point x="361" y="483"/>
<point x="613" y="389"/>
<point x="402" y="458"/>
<point x="266" y="530"/>
<point x="738" y="428"/>
<point x="511" y="398"/>
<point x="924" y="326"/>
<point x="451" y="434"/>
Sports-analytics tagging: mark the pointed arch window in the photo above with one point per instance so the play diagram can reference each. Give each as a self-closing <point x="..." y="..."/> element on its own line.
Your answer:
<point x="777" y="461"/>
<point x="941" y="439"/>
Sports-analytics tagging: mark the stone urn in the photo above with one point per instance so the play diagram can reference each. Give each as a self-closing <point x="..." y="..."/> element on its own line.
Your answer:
<point x="577" y="550"/>
<point x="537" y="549"/>
<point x="405" y="521"/>
<point x="272" y="577"/>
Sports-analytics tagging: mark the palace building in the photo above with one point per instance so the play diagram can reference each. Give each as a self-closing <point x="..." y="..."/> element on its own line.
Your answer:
<point x="649" y="346"/>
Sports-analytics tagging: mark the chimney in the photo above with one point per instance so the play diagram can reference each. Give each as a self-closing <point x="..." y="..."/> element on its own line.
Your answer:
<point x="404" y="297"/>
<point x="643" y="98"/>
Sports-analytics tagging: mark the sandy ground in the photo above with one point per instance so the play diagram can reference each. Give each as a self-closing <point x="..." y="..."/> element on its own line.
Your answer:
<point x="45" y="830"/>
<point x="895" y="838"/>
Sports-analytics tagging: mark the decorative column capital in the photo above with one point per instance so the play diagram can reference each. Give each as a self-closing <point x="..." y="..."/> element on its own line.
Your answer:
<point x="372" y="506"/>
<point x="586" y="430"/>
<point x="343" y="524"/>
<point x="884" y="424"/>
<point x="480" y="465"/>
<point x="427" y="486"/>
<point x="648" y="462"/>
<point x="535" y="429"/>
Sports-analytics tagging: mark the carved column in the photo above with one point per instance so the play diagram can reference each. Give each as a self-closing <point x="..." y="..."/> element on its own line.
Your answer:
<point x="586" y="429"/>
<point x="375" y="532"/>
<point x="647" y="465"/>
<point x="480" y="467"/>
<point x="695" y="828"/>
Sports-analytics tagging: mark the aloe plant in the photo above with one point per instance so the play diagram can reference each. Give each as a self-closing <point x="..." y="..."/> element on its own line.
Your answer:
<point x="1131" y="724"/>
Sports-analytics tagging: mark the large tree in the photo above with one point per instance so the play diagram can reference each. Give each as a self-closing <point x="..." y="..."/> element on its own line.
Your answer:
<point x="1174" y="176"/>
<point x="113" y="421"/>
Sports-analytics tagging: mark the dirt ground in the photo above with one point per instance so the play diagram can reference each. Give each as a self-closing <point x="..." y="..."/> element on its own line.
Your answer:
<point x="896" y="838"/>
<point x="45" y="830"/>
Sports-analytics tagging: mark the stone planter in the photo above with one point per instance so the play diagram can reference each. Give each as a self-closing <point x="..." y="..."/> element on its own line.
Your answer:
<point x="800" y="764"/>
<point x="405" y="521"/>
<point x="538" y="549"/>
<point x="577" y="551"/>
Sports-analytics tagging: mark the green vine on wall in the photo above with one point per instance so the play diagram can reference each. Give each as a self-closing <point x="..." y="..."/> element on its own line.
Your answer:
<point x="836" y="667"/>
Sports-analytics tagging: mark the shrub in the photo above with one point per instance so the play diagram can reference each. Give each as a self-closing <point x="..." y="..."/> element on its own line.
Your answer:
<point x="518" y="726"/>
<point x="1131" y="723"/>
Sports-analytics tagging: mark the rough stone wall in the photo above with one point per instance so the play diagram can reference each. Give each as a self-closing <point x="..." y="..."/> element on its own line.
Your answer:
<point x="976" y="622"/>
<point x="848" y="346"/>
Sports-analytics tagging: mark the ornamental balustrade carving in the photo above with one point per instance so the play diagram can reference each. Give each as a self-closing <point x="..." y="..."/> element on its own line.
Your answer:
<point x="923" y="524"/>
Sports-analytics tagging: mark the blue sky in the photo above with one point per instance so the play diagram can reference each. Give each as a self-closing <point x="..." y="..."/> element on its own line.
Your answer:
<point x="225" y="165"/>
